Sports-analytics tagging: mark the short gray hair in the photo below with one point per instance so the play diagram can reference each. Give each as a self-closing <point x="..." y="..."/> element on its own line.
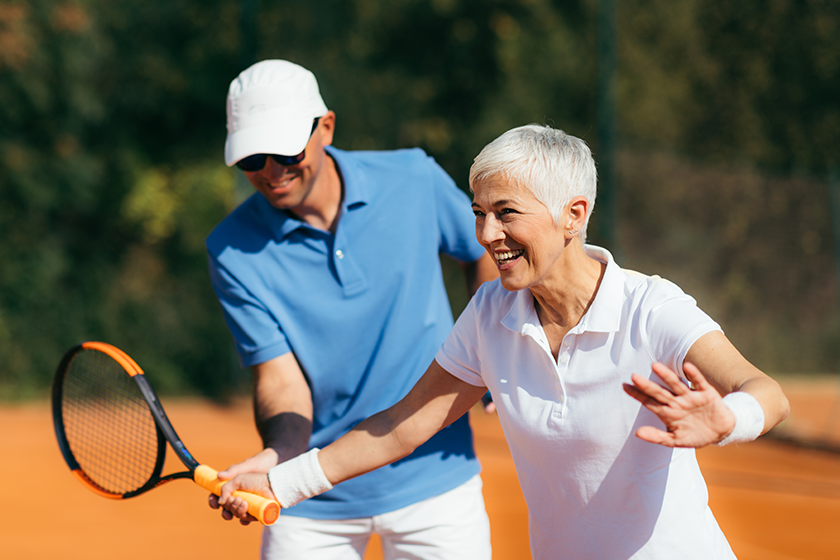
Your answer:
<point x="553" y="165"/>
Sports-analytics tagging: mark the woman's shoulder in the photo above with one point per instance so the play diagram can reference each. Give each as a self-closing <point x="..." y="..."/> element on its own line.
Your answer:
<point x="634" y="283"/>
<point x="650" y="290"/>
<point x="492" y="301"/>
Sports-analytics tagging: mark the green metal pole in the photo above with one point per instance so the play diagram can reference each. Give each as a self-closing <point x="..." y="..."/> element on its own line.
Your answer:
<point x="249" y="10"/>
<point x="606" y="125"/>
<point x="834" y="204"/>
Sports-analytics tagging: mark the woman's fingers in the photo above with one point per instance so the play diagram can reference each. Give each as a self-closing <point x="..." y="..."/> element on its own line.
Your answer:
<point x="693" y="416"/>
<point x="696" y="377"/>
<point x="647" y="391"/>
<point x="654" y="435"/>
<point x="654" y="391"/>
<point x="670" y="378"/>
<point x="642" y="396"/>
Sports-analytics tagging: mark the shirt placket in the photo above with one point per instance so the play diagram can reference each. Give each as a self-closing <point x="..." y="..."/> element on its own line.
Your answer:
<point x="561" y="366"/>
<point x="344" y="263"/>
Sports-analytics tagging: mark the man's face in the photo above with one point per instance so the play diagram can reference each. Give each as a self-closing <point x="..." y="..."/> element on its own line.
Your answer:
<point x="288" y="187"/>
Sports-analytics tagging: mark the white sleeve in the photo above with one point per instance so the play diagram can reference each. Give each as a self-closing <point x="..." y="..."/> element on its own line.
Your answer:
<point x="672" y="323"/>
<point x="460" y="354"/>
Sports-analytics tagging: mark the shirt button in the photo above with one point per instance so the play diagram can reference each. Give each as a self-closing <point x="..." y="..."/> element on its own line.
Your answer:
<point x="567" y="342"/>
<point x="564" y="358"/>
<point x="339" y="254"/>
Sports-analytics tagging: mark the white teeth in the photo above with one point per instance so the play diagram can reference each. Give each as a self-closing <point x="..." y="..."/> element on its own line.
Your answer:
<point x="507" y="255"/>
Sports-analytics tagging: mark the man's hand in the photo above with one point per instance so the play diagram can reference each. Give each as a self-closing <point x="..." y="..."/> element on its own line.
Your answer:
<point x="693" y="417"/>
<point x="487" y="402"/>
<point x="236" y="507"/>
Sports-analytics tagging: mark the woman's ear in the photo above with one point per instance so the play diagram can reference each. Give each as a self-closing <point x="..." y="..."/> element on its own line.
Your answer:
<point x="576" y="215"/>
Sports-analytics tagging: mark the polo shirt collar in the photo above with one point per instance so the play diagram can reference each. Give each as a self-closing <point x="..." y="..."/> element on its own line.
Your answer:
<point x="356" y="194"/>
<point x="604" y="315"/>
<point x="355" y="179"/>
<point x="522" y="315"/>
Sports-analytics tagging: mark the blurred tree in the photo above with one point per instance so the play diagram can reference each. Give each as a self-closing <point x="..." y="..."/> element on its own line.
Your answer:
<point x="106" y="111"/>
<point x="748" y="81"/>
<point x="740" y="103"/>
<point x="112" y="126"/>
<point x="445" y="75"/>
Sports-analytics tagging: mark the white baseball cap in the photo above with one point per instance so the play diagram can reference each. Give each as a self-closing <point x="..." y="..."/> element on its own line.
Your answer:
<point x="270" y="109"/>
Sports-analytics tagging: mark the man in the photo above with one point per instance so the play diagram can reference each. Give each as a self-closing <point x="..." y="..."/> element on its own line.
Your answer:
<point x="330" y="281"/>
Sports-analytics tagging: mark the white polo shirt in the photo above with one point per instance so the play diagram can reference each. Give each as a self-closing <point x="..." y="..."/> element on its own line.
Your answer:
<point x="594" y="490"/>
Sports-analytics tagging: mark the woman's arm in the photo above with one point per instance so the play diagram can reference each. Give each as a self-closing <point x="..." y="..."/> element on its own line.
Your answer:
<point x="437" y="400"/>
<point x="728" y="371"/>
<point x="698" y="416"/>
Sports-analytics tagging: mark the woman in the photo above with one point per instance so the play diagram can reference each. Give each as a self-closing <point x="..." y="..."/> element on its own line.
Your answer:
<point x="554" y="340"/>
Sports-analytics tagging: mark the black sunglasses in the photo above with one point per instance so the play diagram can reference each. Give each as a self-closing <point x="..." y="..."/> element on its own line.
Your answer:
<point x="257" y="161"/>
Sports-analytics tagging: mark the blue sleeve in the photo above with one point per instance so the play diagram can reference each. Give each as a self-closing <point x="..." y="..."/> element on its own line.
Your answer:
<point x="256" y="333"/>
<point x="456" y="221"/>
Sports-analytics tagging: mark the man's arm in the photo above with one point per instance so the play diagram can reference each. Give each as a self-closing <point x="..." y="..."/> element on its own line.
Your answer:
<point x="478" y="272"/>
<point x="282" y="407"/>
<point x="283" y="415"/>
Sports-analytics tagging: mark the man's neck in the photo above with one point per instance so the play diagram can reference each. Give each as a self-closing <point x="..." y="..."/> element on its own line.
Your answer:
<point x="322" y="207"/>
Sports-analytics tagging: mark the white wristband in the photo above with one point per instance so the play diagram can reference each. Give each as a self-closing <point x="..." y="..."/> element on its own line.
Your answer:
<point x="749" y="417"/>
<point x="298" y="479"/>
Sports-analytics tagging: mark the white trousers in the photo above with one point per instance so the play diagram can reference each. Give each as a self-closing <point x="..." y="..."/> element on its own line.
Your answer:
<point x="452" y="526"/>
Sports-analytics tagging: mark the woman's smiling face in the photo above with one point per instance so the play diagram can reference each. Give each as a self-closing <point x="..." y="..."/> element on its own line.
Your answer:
<point x="518" y="232"/>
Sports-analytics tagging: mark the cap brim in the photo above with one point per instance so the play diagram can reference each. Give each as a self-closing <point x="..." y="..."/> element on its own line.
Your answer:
<point x="288" y="139"/>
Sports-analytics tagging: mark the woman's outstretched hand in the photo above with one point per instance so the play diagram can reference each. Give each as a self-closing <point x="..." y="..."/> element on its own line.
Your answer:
<point x="693" y="416"/>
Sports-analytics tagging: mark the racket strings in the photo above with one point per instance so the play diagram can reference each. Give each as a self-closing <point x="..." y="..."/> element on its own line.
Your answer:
<point x="108" y="425"/>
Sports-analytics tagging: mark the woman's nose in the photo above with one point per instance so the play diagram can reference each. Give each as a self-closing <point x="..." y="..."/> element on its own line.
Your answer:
<point x="489" y="230"/>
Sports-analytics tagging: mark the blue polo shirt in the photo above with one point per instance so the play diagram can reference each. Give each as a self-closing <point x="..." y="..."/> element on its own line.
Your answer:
<point x="364" y="310"/>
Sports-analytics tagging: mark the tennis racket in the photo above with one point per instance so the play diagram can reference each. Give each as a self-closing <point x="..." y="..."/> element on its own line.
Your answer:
<point x="112" y="429"/>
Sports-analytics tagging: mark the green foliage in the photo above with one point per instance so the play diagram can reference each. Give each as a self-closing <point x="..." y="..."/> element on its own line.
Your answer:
<point x="734" y="81"/>
<point x="107" y="188"/>
<point x="112" y="126"/>
<point x="446" y="75"/>
<point x="754" y="250"/>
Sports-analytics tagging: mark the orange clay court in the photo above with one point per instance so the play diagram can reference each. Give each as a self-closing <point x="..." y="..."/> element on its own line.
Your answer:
<point x="774" y="500"/>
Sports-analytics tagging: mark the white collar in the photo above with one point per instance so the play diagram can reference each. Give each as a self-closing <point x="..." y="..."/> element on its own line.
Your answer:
<point x="604" y="315"/>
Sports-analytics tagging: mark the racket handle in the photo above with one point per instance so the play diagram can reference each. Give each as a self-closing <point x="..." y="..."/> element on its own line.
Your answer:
<point x="267" y="511"/>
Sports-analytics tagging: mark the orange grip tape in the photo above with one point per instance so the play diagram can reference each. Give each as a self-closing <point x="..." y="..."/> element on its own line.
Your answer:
<point x="267" y="511"/>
